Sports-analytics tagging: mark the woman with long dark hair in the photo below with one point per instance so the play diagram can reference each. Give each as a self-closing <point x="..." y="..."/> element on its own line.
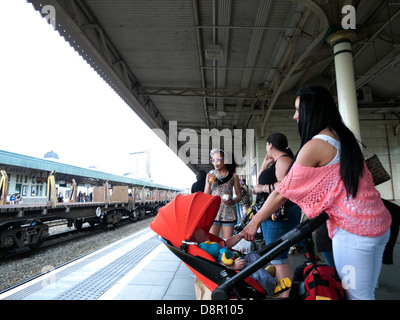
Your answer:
<point x="274" y="168"/>
<point x="329" y="174"/>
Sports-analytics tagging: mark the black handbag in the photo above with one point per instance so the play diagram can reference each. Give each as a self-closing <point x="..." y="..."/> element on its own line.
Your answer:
<point x="379" y="174"/>
<point x="280" y="214"/>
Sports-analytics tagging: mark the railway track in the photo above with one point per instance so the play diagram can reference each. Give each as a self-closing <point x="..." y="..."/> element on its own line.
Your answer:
<point x="24" y="227"/>
<point x="20" y="267"/>
<point x="62" y="237"/>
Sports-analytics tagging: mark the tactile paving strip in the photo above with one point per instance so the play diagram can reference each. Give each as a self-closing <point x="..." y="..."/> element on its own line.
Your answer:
<point x="95" y="285"/>
<point x="40" y="285"/>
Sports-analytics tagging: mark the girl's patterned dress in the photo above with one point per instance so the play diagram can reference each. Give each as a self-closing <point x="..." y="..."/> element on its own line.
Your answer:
<point x="226" y="213"/>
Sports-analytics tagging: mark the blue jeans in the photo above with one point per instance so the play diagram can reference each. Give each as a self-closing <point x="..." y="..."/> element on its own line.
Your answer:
<point x="358" y="261"/>
<point x="273" y="230"/>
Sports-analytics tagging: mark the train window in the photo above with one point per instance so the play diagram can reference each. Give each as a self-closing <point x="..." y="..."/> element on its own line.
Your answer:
<point x="33" y="191"/>
<point x="24" y="190"/>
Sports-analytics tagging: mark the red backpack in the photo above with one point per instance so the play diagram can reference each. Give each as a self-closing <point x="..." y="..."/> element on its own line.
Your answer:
<point x="321" y="282"/>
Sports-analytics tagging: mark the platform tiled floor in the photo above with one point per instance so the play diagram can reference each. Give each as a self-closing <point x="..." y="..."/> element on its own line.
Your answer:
<point x="151" y="272"/>
<point x="164" y="278"/>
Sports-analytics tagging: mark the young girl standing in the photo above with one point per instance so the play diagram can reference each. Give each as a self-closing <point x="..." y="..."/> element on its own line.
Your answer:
<point x="222" y="185"/>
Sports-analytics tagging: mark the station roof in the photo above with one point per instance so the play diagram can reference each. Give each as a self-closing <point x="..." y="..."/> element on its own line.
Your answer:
<point x="228" y="63"/>
<point x="68" y="172"/>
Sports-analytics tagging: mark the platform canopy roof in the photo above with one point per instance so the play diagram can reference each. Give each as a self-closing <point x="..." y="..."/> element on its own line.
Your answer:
<point x="228" y="63"/>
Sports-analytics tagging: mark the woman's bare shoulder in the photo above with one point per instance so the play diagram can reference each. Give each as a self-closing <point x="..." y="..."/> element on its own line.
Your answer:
<point x="312" y="154"/>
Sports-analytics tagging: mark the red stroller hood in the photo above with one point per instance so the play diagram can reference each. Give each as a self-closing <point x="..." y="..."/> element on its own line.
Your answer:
<point x="177" y="220"/>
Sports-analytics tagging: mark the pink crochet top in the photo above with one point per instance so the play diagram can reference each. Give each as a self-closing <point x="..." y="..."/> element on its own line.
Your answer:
<point x="317" y="189"/>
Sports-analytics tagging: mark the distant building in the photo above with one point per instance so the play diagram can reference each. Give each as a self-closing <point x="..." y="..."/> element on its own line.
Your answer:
<point x="51" y="155"/>
<point x="140" y="167"/>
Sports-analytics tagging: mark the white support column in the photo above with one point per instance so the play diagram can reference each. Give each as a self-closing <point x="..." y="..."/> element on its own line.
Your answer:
<point x="347" y="98"/>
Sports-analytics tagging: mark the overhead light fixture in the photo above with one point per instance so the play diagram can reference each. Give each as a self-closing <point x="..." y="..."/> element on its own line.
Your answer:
<point x="214" y="52"/>
<point x="217" y="115"/>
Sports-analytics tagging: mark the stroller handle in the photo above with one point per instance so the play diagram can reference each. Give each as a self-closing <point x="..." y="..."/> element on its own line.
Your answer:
<point x="273" y="250"/>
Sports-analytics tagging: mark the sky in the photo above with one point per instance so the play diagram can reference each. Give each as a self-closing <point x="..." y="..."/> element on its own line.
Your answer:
<point x="51" y="99"/>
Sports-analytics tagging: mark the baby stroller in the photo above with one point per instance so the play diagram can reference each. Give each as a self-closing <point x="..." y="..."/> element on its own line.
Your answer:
<point x="175" y="224"/>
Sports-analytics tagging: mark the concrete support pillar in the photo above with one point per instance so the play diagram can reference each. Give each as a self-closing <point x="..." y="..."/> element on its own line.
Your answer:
<point x="347" y="98"/>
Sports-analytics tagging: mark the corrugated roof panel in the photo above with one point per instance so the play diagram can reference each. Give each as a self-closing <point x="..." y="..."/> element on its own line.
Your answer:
<point x="156" y="39"/>
<point x="182" y="109"/>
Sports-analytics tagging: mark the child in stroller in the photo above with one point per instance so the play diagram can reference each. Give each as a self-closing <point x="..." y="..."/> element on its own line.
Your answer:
<point x="233" y="260"/>
<point x="220" y="251"/>
<point x="176" y="223"/>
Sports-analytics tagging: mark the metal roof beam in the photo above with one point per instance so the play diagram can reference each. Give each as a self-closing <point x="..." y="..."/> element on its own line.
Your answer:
<point x="246" y="27"/>
<point x="278" y="83"/>
<point x="205" y="92"/>
<point x="223" y="34"/>
<point x="200" y="56"/>
<point x="255" y="43"/>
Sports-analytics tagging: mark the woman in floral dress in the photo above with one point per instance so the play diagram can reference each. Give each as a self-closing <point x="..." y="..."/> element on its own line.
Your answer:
<point x="222" y="185"/>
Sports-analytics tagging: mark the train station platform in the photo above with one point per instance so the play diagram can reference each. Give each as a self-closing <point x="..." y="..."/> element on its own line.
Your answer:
<point x="140" y="267"/>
